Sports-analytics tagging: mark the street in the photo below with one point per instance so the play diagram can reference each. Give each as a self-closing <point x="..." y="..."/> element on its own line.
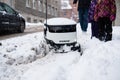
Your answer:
<point x="27" y="31"/>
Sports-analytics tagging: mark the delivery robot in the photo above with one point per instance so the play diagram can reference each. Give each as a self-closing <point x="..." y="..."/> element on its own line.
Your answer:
<point x="61" y="35"/>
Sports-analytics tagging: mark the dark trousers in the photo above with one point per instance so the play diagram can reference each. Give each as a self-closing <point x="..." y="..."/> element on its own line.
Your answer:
<point x="83" y="18"/>
<point x="105" y="28"/>
<point x="94" y="29"/>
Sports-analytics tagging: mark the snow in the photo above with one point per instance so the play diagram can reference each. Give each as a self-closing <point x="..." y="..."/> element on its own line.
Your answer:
<point x="22" y="58"/>
<point x="65" y="4"/>
<point x="60" y="21"/>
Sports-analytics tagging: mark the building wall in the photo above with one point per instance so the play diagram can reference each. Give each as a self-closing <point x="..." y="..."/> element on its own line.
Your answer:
<point x="35" y="12"/>
<point x="29" y="13"/>
<point x="66" y="13"/>
<point x="32" y="13"/>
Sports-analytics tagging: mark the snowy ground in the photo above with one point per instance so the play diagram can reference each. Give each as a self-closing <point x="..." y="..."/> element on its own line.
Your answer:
<point x="21" y="58"/>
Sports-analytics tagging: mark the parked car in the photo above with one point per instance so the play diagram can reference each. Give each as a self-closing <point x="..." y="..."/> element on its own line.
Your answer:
<point x="10" y="19"/>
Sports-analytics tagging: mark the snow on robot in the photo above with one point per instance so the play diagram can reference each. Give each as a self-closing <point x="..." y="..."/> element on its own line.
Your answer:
<point x="61" y="34"/>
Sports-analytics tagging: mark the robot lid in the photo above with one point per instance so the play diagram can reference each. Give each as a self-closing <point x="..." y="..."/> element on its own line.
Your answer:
<point x="60" y="21"/>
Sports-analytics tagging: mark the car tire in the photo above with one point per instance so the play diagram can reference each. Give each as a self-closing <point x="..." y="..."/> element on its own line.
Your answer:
<point x="22" y="27"/>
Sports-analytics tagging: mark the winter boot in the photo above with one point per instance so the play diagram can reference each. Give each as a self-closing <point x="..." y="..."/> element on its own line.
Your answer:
<point x="108" y="37"/>
<point x="101" y="37"/>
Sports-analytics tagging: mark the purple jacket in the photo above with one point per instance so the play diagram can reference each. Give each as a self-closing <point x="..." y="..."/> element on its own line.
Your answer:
<point x="106" y="8"/>
<point x="91" y="10"/>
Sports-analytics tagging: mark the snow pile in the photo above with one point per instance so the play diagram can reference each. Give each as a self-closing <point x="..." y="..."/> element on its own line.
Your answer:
<point x="100" y="60"/>
<point x="22" y="50"/>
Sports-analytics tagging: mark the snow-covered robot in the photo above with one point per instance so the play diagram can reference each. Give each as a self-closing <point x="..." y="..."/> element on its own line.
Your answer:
<point x="61" y="35"/>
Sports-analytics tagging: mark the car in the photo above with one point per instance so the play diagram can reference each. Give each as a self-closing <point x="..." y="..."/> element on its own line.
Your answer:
<point x="10" y="19"/>
<point x="61" y="32"/>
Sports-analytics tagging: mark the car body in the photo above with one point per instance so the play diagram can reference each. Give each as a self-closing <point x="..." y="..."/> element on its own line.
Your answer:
<point x="10" y="19"/>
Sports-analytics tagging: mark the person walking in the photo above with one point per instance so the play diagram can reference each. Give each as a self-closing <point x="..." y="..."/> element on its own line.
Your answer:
<point x="105" y="14"/>
<point x="94" y="26"/>
<point x="83" y="7"/>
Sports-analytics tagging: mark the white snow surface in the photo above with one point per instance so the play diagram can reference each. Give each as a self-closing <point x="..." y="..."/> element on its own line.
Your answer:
<point x="21" y="58"/>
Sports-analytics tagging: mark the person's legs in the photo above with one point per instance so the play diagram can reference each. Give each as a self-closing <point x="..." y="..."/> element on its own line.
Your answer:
<point x="85" y="19"/>
<point x="81" y="17"/>
<point x="94" y="29"/>
<point x="108" y="29"/>
<point x="92" y="34"/>
<point x="101" y="29"/>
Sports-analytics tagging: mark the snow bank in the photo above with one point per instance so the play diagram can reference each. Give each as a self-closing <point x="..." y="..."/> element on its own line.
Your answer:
<point x="22" y="50"/>
<point x="100" y="60"/>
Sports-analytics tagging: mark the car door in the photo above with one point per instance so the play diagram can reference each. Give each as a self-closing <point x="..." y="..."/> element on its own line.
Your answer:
<point x="12" y="15"/>
<point x="4" y="20"/>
